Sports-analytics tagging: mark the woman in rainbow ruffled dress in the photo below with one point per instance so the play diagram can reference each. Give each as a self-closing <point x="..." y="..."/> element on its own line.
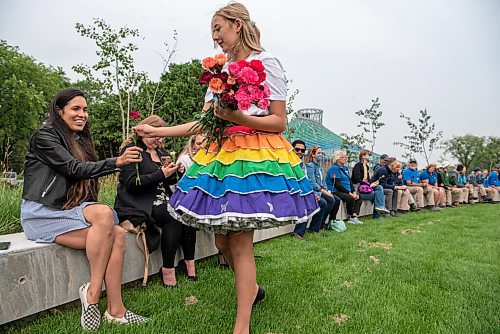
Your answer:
<point x="254" y="180"/>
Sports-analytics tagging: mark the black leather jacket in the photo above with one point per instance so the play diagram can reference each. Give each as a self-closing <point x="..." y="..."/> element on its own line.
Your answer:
<point x="50" y="169"/>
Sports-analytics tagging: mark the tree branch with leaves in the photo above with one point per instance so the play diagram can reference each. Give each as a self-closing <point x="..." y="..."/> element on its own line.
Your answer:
<point x="423" y="138"/>
<point x="114" y="70"/>
<point x="371" y="122"/>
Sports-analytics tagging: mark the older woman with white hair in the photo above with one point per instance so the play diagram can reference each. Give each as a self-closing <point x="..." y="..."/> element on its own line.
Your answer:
<point x="340" y="184"/>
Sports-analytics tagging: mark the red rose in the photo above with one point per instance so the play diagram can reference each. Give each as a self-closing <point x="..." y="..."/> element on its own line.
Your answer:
<point x="134" y="114"/>
<point x="256" y="65"/>
<point x="205" y="77"/>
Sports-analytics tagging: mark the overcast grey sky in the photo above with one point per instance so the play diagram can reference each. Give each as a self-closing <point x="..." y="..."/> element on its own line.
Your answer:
<point x="440" y="55"/>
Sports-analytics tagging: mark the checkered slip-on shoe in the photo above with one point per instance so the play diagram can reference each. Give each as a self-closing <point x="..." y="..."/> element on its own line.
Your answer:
<point x="128" y="318"/>
<point x="91" y="317"/>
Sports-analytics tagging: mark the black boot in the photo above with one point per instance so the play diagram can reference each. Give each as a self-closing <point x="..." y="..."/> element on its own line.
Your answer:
<point x="413" y="207"/>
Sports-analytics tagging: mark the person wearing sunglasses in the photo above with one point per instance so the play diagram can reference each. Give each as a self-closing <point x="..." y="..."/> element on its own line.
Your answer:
<point x="299" y="147"/>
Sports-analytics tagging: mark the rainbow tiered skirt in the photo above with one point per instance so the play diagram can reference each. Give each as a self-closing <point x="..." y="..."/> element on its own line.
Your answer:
<point x="253" y="182"/>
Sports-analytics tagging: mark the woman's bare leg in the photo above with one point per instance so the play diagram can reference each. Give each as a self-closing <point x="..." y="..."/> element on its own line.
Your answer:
<point x="113" y="276"/>
<point x="241" y="246"/>
<point x="97" y="240"/>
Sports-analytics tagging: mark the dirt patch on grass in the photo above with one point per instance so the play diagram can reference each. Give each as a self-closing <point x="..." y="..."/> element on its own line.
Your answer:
<point x="191" y="300"/>
<point x="374" y="259"/>
<point x="410" y="231"/>
<point x="340" y="318"/>
<point x="385" y="245"/>
<point x="348" y="284"/>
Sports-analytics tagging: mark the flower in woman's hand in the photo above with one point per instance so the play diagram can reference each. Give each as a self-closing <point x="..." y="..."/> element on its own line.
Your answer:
<point x="234" y="68"/>
<point x="205" y="77"/>
<point x="208" y="63"/>
<point x="134" y="114"/>
<point x="216" y="85"/>
<point x="248" y="75"/>
<point x="220" y="59"/>
<point x="263" y="104"/>
<point x="256" y="65"/>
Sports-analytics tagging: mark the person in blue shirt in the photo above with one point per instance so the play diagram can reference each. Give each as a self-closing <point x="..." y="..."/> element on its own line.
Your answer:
<point x="328" y="203"/>
<point x="493" y="177"/>
<point x="411" y="178"/>
<point x="429" y="178"/>
<point x="339" y="183"/>
<point x="491" y="190"/>
<point x="459" y="181"/>
<point x="475" y="179"/>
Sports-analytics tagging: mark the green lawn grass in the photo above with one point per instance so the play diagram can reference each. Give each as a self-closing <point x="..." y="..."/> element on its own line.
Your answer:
<point x="442" y="275"/>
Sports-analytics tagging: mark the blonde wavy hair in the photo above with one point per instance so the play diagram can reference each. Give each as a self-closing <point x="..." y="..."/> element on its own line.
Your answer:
<point x="249" y="35"/>
<point x="189" y="147"/>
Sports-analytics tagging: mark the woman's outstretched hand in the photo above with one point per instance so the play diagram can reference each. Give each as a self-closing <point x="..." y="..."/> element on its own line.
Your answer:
<point x="130" y="155"/>
<point x="145" y="130"/>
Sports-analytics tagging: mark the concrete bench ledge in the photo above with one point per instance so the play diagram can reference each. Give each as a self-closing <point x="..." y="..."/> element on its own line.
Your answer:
<point x="36" y="277"/>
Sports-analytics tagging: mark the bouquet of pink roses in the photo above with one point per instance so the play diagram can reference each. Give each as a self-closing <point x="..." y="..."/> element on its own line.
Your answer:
<point x="238" y="88"/>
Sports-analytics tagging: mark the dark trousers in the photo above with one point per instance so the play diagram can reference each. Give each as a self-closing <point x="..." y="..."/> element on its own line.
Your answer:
<point x="173" y="234"/>
<point x="353" y="206"/>
<point x="328" y="206"/>
<point x="334" y="201"/>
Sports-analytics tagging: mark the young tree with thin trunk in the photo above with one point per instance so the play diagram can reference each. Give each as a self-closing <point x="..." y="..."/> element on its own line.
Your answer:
<point x="371" y="122"/>
<point x="114" y="72"/>
<point x="423" y="137"/>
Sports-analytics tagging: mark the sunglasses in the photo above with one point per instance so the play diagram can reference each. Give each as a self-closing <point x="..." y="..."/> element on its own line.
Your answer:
<point x="302" y="150"/>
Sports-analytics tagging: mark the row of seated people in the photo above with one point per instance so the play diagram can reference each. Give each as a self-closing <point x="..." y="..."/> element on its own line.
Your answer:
<point x="392" y="192"/>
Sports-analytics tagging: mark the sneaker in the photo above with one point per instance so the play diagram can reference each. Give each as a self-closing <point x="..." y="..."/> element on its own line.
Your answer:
<point x="355" y="220"/>
<point x="91" y="317"/>
<point x="378" y="218"/>
<point x="435" y="208"/>
<point x="381" y="209"/>
<point x="128" y="318"/>
<point x="298" y="236"/>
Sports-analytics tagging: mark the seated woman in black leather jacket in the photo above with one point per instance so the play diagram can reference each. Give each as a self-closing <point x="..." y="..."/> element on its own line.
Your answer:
<point x="60" y="203"/>
<point x="146" y="201"/>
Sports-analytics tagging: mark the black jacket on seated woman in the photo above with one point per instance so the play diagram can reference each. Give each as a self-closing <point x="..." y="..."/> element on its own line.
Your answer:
<point x="134" y="200"/>
<point x="146" y="200"/>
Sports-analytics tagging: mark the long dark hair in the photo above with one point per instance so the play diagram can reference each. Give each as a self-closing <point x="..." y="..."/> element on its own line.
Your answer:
<point x="80" y="146"/>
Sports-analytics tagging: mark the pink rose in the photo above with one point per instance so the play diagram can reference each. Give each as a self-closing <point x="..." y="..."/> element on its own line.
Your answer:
<point x="263" y="104"/>
<point x="248" y="75"/>
<point x="244" y="105"/>
<point x="255" y="93"/>
<point x="234" y="68"/>
<point x="266" y="91"/>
